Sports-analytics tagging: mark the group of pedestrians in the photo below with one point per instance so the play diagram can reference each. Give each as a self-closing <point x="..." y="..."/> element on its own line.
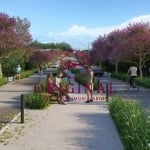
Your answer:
<point x="54" y="86"/>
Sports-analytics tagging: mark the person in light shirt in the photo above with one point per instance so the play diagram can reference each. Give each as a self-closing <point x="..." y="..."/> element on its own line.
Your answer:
<point x="18" y="71"/>
<point x="133" y="73"/>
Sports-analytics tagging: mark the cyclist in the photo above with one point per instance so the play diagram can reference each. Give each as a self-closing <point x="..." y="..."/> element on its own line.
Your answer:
<point x="133" y="74"/>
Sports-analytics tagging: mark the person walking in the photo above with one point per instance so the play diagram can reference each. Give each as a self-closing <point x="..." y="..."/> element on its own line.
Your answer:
<point x="18" y="71"/>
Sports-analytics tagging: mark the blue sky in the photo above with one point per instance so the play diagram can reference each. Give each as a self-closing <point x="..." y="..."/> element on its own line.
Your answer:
<point x="77" y="22"/>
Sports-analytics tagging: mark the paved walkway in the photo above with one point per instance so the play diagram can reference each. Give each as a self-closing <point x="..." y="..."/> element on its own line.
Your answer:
<point x="10" y="93"/>
<point x="75" y="126"/>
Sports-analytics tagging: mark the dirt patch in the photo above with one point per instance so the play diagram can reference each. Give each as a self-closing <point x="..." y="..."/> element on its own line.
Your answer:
<point x="6" y="115"/>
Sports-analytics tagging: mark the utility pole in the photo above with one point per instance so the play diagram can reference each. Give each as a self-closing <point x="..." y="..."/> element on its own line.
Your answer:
<point x="88" y="47"/>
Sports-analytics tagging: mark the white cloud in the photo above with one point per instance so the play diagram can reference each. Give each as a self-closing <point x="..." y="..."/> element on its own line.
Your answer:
<point x="76" y="31"/>
<point x="85" y="35"/>
<point x="144" y="18"/>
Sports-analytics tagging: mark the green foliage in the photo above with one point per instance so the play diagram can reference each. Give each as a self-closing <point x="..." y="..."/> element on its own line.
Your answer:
<point x="96" y="84"/>
<point x="108" y="66"/>
<point x="61" y="46"/>
<point x="132" y="123"/>
<point x="27" y="73"/>
<point x="3" y="81"/>
<point x="29" y="65"/>
<point x="120" y="76"/>
<point x="123" y="66"/>
<point x="9" y="64"/>
<point x="74" y="70"/>
<point x="145" y="82"/>
<point x="83" y="78"/>
<point x="36" y="101"/>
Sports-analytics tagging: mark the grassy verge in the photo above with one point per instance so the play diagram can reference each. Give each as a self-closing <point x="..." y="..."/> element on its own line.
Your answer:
<point x="24" y="74"/>
<point x="132" y="122"/>
<point x="3" y="81"/>
<point x="27" y="73"/>
<point x="145" y="82"/>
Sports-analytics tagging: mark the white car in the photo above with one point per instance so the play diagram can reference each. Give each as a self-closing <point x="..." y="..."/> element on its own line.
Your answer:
<point x="55" y="66"/>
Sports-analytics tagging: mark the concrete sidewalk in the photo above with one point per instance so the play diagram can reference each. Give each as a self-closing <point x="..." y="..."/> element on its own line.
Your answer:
<point x="11" y="92"/>
<point x="75" y="126"/>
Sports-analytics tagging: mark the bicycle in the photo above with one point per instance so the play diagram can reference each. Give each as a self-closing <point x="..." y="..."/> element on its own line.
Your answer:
<point x="134" y="84"/>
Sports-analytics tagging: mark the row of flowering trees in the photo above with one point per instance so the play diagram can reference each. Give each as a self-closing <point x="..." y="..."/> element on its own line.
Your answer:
<point x="131" y="44"/>
<point x="14" y="36"/>
<point x="41" y="57"/>
<point x="83" y="57"/>
<point x="17" y="47"/>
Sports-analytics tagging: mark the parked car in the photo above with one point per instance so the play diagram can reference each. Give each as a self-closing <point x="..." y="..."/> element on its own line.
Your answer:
<point x="55" y="65"/>
<point x="98" y="71"/>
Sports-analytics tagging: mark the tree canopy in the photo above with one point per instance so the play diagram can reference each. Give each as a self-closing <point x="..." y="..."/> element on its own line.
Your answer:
<point x="131" y="44"/>
<point x="14" y="34"/>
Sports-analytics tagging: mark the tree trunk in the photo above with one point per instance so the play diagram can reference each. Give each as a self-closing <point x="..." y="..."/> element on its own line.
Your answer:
<point x="116" y="67"/>
<point x="140" y="65"/>
<point x="100" y="63"/>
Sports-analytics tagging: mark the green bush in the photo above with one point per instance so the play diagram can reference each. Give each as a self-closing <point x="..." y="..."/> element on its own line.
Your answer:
<point x="74" y="70"/>
<point x="3" y="81"/>
<point x="83" y="78"/>
<point x="36" y="101"/>
<point x="145" y="82"/>
<point x="120" y="76"/>
<point x="132" y="123"/>
<point x="27" y="73"/>
<point x="10" y="63"/>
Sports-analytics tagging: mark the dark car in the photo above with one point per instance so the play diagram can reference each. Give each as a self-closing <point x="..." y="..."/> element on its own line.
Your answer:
<point x="98" y="71"/>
